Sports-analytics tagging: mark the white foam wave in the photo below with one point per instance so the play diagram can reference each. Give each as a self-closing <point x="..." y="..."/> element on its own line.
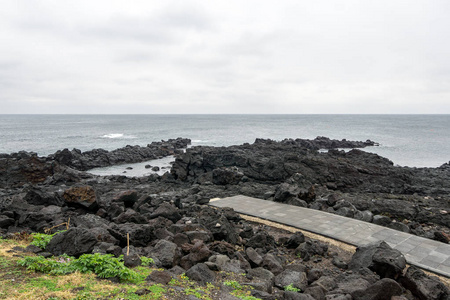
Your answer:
<point x="118" y="136"/>
<point x="113" y="135"/>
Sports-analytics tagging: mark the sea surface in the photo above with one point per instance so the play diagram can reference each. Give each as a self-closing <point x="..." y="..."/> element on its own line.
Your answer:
<point x="407" y="140"/>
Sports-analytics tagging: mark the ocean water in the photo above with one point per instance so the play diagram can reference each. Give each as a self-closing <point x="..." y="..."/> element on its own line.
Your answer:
<point x="407" y="140"/>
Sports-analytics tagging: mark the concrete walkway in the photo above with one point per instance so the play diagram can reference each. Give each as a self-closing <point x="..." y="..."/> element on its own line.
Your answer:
<point x="425" y="253"/>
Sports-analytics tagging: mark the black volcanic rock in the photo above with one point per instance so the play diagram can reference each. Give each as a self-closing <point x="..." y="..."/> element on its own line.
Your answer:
<point x="423" y="286"/>
<point x="160" y="216"/>
<point x="130" y="154"/>
<point x="380" y="258"/>
<point x="23" y="167"/>
<point x="73" y="242"/>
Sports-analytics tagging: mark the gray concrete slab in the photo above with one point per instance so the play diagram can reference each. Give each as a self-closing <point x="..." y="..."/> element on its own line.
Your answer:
<point x="430" y="255"/>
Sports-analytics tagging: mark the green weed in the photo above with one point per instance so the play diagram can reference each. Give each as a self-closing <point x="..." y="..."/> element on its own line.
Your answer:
<point x="41" y="240"/>
<point x="234" y="284"/>
<point x="291" y="288"/>
<point x="146" y="261"/>
<point x="104" y="265"/>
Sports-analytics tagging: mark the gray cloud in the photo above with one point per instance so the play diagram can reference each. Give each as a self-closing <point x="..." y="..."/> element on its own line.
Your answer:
<point x="225" y="57"/>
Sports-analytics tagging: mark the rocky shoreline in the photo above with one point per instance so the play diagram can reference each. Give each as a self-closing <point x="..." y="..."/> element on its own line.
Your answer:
<point x="166" y="217"/>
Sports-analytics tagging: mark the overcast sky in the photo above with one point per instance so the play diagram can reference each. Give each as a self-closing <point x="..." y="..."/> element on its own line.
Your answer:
<point x="225" y="57"/>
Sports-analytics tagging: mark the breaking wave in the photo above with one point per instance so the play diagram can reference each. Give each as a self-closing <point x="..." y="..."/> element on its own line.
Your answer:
<point x="117" y="136"/>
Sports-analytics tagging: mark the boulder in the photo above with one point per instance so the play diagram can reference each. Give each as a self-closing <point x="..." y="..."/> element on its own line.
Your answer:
<point x="332" y="199"/>
<point x="89" y="221"/>
<point x="272" y="263"/>
<point x="314" y="274"/>
<point x="201" y="235"/>
<point x="167" y="253"/>
<point x="217" y="261"/>
<point x="201" y="273"/>
<point x="127" y="198"/>
<point x="130" y="216"/>
<point x="262" y="274"/>
<point x="168" y="211"/>
<point x="198" y="253"/>
<point x="381" y="220"/>
<point x="261" y="240"/>
<point x="380" y="258"/>
<point x="328" y="283"/>
<point x="83" y="196"/>
<point x="346" y="212"/>
<point x="399" y="226"/>
<point x="33" y="249"/>
<point x="247" y="232"/>
<point x="5" y="221"/>
<point x="339" y="263"/>
<point x="261" y="285"/>
<point x="115" y="210"/>
<point x="222" y="248"/>
<point x="162" y="277"/>
<point x="243" y="262"/>
<point x="253" y="257"/>
<point x="287" y="277"/>
<point x="442" y="237"/>
<point x="311" y="248"/>
<point x="350" y="283"/>
<point x="132" y="260"/>
<point x="223" y="230"/>
<point x="364" y="215"/>
<point x="423" y="286"/>
<point x="232" y="266"/>
<point x="37" y="196"/>
<point x="382" y="289"/>
<point x="285" y="192"/>
<point x="295" y="240"/>
<point x="316" y="292"/>
<point x="73" y="242"/>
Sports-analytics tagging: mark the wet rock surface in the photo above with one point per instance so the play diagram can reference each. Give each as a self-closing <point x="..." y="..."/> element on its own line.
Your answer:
<point x="164" y="217"/>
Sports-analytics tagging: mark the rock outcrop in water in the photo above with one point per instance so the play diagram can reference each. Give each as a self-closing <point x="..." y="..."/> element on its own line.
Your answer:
<point x="23" y="167"/>
<point x="83" y="161"/>
<point x="165" y="218"/>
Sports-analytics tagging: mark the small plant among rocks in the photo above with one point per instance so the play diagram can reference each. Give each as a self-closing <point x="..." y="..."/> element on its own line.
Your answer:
<point x="147" y="261"/>
<point x="292" y="288"/>
<point x="233" y="284"/>
<point x="239" y="290"/>
<point x="41" y="240"/>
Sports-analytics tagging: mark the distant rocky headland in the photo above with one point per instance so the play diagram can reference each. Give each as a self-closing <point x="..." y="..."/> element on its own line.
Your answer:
<point x="166" y="217"/>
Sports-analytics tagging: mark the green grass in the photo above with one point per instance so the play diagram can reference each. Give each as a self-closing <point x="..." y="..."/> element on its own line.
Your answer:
<point x="104" y="265"/>
<point x="64" y="277"/>
<point x="239" y="291"/>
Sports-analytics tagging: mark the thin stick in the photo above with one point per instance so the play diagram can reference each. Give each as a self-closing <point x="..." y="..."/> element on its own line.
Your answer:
<point x="47" y="230"/>
<point x="68" y="224"/>
<point x="128" y="244"/>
